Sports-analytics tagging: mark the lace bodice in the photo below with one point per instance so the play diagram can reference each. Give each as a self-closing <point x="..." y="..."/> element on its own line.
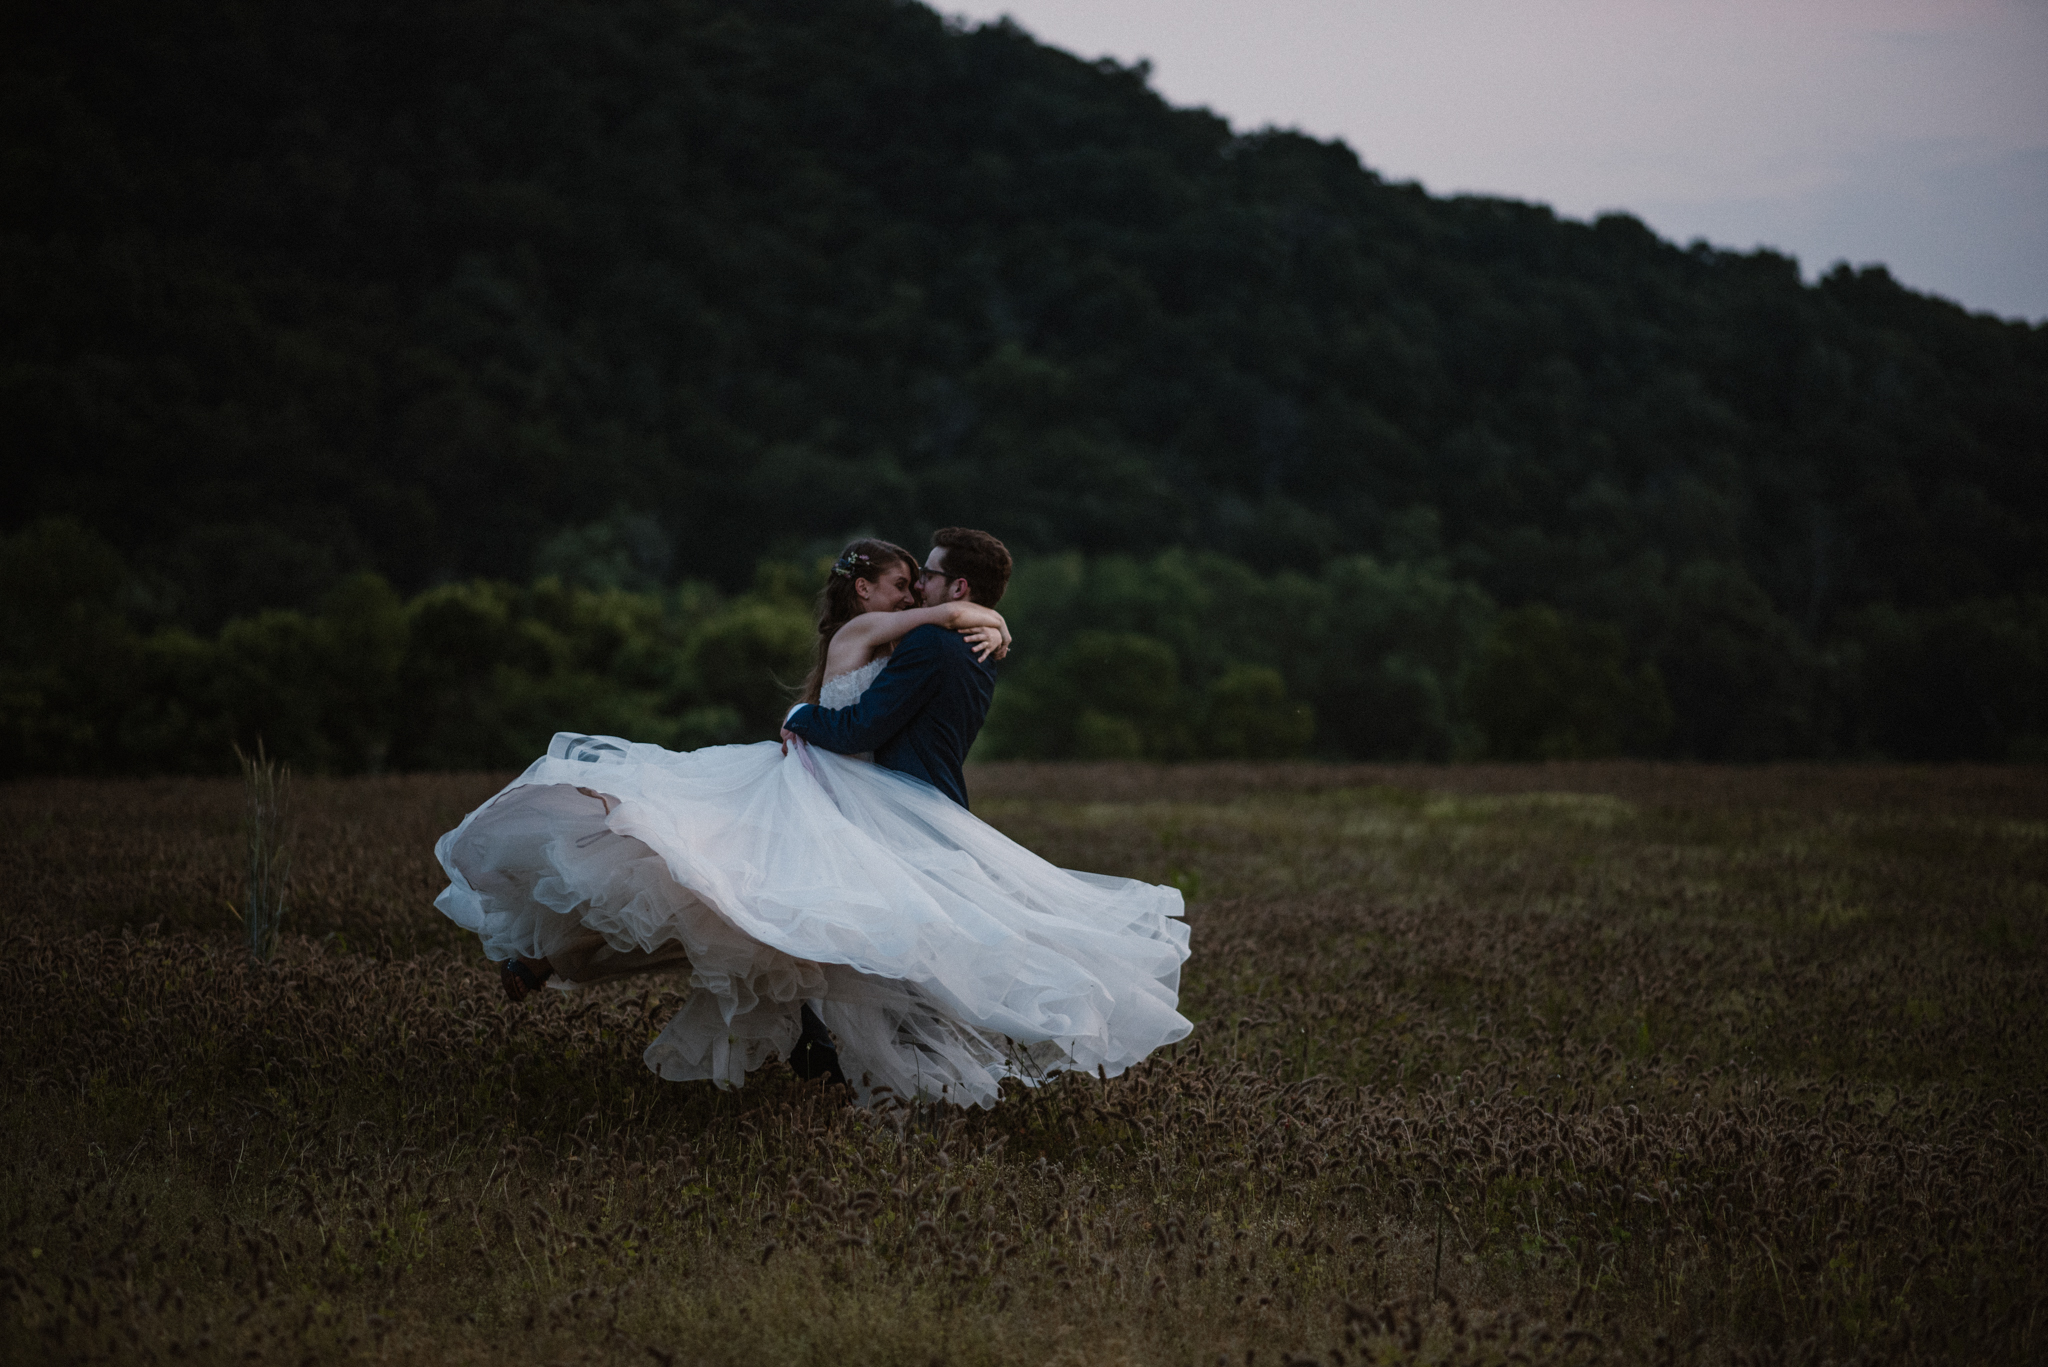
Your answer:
<point x="844" y="690"/>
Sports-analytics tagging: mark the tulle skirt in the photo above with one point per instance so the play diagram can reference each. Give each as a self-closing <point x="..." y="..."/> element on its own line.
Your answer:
<point x="943" y="956"/>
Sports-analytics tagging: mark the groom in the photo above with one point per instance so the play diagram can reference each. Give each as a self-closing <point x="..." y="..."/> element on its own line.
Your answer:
<point x="919" y="717"/>
<point x="923" y="713"/>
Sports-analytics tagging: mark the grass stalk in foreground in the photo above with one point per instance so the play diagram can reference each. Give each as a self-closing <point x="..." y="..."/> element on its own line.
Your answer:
<point x="267" y="789"/>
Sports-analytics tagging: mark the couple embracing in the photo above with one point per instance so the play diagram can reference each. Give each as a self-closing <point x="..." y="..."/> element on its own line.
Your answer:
<point x="829" y="899"/>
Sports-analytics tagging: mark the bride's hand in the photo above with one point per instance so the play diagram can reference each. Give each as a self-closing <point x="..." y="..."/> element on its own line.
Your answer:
<point x="987" y="642"/>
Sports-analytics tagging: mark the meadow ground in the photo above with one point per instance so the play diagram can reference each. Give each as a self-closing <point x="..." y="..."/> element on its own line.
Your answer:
<point x="1519" y="1064"/>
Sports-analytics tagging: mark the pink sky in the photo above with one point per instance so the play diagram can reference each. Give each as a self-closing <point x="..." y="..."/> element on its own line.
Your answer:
<point x="1912" y="132"/>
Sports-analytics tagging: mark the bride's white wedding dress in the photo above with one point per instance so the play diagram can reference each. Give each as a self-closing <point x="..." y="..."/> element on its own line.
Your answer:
<point x="942" y="955"/>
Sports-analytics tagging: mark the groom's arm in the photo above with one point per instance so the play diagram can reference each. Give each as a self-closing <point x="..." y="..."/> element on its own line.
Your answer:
<point x="907" y="684"/>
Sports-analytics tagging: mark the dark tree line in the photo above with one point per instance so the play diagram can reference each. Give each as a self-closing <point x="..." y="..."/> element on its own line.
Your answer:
<point x="639" y="292"/>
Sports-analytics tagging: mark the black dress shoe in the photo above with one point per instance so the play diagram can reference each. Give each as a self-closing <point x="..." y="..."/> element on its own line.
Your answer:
<point x="814" y="1055"/>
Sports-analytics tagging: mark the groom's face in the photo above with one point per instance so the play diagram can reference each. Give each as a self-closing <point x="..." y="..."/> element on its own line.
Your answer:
<point x="934" y="589"/>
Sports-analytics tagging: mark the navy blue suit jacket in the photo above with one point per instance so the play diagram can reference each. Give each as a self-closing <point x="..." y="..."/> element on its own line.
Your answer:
<point x="919" y="717"/>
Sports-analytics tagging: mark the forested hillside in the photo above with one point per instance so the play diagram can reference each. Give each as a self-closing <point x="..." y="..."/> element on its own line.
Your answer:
<point x="629" y="296"/>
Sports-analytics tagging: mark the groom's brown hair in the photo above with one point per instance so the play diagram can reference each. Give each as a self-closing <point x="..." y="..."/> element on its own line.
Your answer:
<point x="977" y="557"/>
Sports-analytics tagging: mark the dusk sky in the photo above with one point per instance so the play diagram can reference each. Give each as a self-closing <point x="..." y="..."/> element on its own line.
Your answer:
<point x="1911" y="132"/>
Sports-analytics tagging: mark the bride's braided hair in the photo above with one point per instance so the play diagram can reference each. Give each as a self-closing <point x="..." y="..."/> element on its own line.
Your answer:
<point x="868" y="558"/>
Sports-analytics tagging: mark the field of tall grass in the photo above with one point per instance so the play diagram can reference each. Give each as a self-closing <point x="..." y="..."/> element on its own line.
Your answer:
<point x="1567" y="1063"/>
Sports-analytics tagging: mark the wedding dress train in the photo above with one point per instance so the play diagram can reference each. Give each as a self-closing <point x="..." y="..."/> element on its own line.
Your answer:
<point x="942" y="955"/>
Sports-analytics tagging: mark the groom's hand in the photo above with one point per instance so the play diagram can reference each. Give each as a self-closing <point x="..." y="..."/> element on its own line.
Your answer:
<point x="787" y="736"/>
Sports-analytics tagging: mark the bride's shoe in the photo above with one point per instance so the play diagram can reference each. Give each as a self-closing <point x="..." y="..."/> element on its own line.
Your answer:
<point x="520" y="977"/>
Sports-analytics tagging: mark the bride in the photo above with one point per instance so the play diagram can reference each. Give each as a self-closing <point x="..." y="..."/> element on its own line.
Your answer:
<point x="803" y="891"/>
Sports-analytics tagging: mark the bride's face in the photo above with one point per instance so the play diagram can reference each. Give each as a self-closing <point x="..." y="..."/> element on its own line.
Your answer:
<point x="888" y="592"/>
